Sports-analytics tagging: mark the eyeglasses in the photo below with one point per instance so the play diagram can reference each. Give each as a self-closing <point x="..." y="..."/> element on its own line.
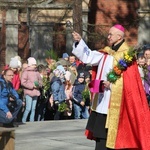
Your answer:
<point x="110" y="34"/>
<point x="10" y="75"/>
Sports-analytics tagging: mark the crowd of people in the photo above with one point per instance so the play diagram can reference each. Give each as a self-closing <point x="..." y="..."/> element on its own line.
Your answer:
<point x="54" y="91"/>
<point x="110" y="88"/>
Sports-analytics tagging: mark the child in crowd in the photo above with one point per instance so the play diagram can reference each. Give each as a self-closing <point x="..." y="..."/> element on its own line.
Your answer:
<point x="43" y="98"/>
<point x="88" y="96"/>
<point x="74" y="73"/>
<point x="58" y="90"/>
<point x="68" y="92"/>
<point x="65" y="56"/>
<point x="147" y="72"/>
<point x="141" y="61"/>
<point x="80" y="109"/>
<point x="15" y="64"/>
<point x="31" y="82"/>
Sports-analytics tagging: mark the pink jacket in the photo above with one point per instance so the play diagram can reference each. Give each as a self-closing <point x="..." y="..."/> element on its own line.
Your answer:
<point x="29" y="76"/>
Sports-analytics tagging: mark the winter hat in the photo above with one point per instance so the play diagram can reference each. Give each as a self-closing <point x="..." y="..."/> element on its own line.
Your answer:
<point x="140" y="55"/>
<point x="146" y="47"/>
<point x="6" y="67"/>
<point x="80" y="75"/>
<point x="19" y="61"/>
<point x="18" y="57"/>
<point x="19" y="64"/>
<point x="88" y="67"/>
<point x="31" y="61"/>
<point x="65" y="55"/>
<point x="119" y="27"/>
<point x="57" y="72"/>
<point x="63" y="62"/>
<point x="67" y="75"/>
<point x="87" y="74"/>
<point x="61" y="68"/>
<point x="13" y="63"/>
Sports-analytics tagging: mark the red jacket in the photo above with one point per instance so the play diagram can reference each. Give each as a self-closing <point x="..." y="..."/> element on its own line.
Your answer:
<point x="16" y="81"/>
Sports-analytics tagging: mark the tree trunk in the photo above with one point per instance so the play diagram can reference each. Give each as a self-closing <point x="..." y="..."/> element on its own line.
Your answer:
<point x="77" y="16"/>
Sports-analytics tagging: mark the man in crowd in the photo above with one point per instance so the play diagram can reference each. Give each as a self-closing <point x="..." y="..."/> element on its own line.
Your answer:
<point x="10" y="103"/>
<point x="119" y="108"/>
<point x="72" y="60"/>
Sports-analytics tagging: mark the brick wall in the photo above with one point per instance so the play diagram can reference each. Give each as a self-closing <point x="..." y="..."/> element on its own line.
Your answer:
<point x="105" y="13"/>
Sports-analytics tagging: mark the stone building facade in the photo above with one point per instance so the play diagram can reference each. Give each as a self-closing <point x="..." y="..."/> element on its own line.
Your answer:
<point x="29" y="28"/>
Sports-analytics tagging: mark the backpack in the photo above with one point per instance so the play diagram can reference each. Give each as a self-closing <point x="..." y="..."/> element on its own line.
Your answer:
<point x="1" y="87"/>
<point x="11" y="104"/>
<point x="8" y="86"/>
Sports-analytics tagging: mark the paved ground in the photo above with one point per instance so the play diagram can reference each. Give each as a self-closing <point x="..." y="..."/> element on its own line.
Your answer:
<point x="53" y="135"/>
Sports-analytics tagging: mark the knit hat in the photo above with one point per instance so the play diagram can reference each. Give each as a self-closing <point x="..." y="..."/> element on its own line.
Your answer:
<point x="119" y="27"/>
<point x="146" y="47"/>
<point x="65" y="55"/>
<point x="13" y="63"/>
<point x="140" y="55"/>
<point x="87" y="74"/>
<point x="19" y="61"/>
<point x="80" y="75"/>
<point x="67" y="75"/>
<point x="19" y="64"/>
<point x="61" y="68"/>
<point x="6" y="67"/>
<point x="57" y="72"/>
<point x="31" y="61"/>
<point x="88" y="67"/>
<point x="18" y="57"/>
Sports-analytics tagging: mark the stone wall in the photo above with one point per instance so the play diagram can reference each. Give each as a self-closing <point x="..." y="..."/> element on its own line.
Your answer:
<point x="46" y="26"/>
<point x="2" y="39"/>
<point x="11" y="34"/>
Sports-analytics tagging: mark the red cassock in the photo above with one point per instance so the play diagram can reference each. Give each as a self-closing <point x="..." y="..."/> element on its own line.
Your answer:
<point x="133" y="131"/>
<point x="134" y="121"/>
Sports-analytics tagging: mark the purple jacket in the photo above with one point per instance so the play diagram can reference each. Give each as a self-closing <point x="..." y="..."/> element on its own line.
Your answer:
<point x="29" y="76"/>
<point x="147" y="81"/>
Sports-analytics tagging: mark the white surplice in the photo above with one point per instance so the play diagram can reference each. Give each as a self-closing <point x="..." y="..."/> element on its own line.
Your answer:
<point x="95" y="58"/>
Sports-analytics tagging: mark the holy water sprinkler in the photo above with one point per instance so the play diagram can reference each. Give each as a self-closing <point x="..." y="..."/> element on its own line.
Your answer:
<point x="69" y="24"/>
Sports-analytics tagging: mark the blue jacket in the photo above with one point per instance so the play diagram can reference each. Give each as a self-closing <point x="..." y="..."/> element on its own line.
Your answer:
<point x="58" y="89"/>
<point x="77" y="91"/>
<point x="5" y="89"/>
